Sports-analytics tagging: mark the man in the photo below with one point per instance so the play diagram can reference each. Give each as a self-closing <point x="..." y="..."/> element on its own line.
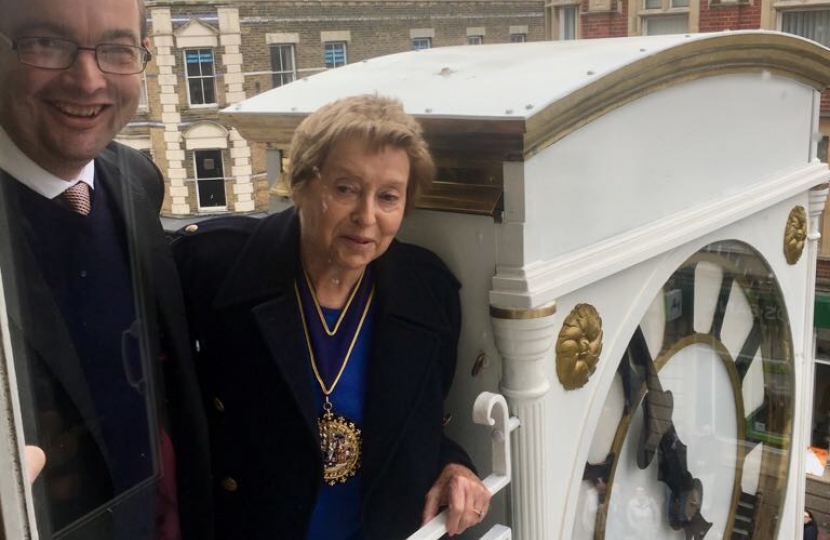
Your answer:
<point x="92" y="297"/>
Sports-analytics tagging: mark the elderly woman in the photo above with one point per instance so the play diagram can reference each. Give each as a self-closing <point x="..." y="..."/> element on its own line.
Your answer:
<point x="326" y="347"/>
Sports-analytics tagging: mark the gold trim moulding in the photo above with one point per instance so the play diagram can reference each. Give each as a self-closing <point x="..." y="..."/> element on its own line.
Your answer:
<point x="522" y="314"/>
<point x="463" y="198"/>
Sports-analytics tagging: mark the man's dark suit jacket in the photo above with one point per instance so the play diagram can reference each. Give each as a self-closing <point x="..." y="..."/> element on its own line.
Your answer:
<point x="47" y="364"/>
<point x="238" y="278"/>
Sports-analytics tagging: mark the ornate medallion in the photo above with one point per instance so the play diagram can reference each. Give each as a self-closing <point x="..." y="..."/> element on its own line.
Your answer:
<point x="340" y="443"/>
<point x="794" y="234"/>
<point x="340" y="440"/>
<point x="578" y="346"/>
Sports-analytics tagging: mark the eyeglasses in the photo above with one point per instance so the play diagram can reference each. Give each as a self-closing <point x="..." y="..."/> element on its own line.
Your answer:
<point x="57" y="53"/>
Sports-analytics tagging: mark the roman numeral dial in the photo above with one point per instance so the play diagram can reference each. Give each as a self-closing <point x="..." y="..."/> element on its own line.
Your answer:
<point x="694" y="438"/>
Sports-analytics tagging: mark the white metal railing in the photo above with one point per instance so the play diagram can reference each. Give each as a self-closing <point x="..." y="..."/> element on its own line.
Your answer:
<point x="489" y="409"/>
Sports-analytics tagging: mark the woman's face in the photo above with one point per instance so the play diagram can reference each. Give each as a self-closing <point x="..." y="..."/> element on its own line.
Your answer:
<point x="806" y="518"/>
<point x="351" y="211"/>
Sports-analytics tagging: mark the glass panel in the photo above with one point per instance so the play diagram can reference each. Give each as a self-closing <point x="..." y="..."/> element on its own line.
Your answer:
<point x="475" y="40"/>
<point x="85" y="373"/>
<point x="191" y="59"/>
<point x="421" y="43"/>
<point x="207" y="66"/>
<point x="813" y="24"/>
<point x="210" y="178"/>
<point x="197" y="94"/>
<point x="212" y="194"/>
<point x="821" y="403"/>
<point x="695" y="433"/>
<point x="567" y="22"/>
<point x="142" y="96"/>
<point x="208" y="90"/>
<point x="662" y="25"/>
<point x="282" y="64"/>
<point x="679" y="3"/>
<point x="518" y="38"/>
<point x="653" y="4"/>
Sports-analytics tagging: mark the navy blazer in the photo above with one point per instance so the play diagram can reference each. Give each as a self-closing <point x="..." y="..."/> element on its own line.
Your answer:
<point x="238" y="276"/>
<point x="45" y="355"/>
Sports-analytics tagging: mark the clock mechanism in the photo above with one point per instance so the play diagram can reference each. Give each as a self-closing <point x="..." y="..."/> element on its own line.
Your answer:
<point x="694" y="437"/>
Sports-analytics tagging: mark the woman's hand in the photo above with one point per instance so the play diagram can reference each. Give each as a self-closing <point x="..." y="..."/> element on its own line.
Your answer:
<point x="464" y="495"/>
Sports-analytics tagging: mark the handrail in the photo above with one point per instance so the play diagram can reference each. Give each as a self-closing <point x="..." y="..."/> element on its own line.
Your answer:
<point x="489" y="409"/>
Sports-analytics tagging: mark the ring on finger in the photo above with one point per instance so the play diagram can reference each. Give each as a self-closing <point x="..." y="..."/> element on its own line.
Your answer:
<point x="479" y="512"/>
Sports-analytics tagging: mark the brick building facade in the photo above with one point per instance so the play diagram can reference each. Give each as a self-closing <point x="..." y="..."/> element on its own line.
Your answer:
<point x="208" y="55"/>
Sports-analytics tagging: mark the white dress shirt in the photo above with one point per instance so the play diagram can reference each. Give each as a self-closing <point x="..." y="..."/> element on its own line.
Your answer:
<point x="21" y="167"/>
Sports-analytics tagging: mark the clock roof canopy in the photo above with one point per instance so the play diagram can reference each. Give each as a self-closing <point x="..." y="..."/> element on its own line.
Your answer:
<point x="516" y="99"/>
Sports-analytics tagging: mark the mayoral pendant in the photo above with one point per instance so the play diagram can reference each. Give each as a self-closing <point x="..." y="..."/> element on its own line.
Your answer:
<point x="340" y="443"/>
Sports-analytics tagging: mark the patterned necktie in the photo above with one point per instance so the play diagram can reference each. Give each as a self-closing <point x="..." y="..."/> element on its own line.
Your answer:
<point x="77" y="198"/>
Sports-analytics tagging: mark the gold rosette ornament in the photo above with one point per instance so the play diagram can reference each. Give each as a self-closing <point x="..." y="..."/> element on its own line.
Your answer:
<point x="578" y="346"/>
<point x="795" y="234"/>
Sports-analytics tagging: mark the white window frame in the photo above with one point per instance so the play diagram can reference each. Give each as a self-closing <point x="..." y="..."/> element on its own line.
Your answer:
<point x="282" y="73"/>
<point x="197" y="179"/>
<point x="201" y="78"/>
<point x="475" y="40"/>
<point x="518" y="38"/>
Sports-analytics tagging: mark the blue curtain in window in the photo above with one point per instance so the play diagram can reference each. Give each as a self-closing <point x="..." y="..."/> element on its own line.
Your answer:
<point x="335" y="54"/>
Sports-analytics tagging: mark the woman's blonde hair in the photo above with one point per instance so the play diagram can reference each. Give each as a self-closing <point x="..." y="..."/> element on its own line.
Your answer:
<point x="380" y="121"/>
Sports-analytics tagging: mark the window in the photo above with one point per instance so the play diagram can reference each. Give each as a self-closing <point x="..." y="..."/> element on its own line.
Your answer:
<point x="282" y="64"/>
<point x="210" y="179"/>
<point x="566" y="22"/>
<point x="813" y="24"/>
<point x="821" y="399"/>
<point x="336" y="54"/>
<point x="475" y="40"/>
<point x="518" y="38"/>
<point x="142" y="96"/>
<point x="660" y="17"/>
<point x="821" y="149"/>
<point x="421" y="43"/>
<point x="201" y="78"/>
<point x="661" y="25"/>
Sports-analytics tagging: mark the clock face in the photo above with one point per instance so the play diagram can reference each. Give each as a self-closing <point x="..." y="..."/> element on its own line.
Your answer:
<point x="694" y="437"/>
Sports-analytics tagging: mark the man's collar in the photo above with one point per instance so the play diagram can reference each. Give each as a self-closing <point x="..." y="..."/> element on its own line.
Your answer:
<point x="19" y="166"/>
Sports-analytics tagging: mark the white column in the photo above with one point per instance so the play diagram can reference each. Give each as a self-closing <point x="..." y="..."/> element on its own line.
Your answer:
<point x="524" y="344"/>
<point x="804" y="400"/>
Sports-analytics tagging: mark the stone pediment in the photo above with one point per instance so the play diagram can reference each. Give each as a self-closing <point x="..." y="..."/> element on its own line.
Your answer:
<point x="196" y="34"/>
<point x="205" y="134"/>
